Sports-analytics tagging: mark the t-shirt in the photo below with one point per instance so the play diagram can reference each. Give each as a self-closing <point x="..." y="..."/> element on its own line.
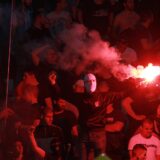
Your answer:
<point x="152" y="144"/>
<point x="66" y="120"/>
<point x="115" y="140"/>
<point x="95" y="15"/>
<point x="92" y="108"/>
<point x="50" y="139"/>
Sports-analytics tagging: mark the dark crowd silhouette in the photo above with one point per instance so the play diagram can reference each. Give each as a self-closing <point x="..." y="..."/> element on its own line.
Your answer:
<point x="66" y="92"/>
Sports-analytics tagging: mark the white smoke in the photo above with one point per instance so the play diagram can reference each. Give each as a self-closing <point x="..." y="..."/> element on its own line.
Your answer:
<point x="85" y="48"/>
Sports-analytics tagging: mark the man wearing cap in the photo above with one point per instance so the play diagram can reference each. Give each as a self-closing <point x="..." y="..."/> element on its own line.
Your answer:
<point x="92" y="110"/>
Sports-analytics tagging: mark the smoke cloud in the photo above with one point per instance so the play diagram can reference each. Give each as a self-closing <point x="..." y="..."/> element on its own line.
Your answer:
<point x="85" y="51"/>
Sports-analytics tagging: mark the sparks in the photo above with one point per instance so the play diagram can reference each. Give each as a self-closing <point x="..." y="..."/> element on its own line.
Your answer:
<point x="148" y="74"/>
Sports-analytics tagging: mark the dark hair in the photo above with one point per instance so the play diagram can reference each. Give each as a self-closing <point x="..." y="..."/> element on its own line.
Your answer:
<point x="136" y="147"/>
<point x="147" y="120"/>
<point x="46" y="110"/>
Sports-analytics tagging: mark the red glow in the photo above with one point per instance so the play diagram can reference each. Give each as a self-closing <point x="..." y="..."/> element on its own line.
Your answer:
<point x="148" y="74"/>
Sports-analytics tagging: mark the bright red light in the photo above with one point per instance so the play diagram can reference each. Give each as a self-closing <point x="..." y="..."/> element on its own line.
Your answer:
<point x="148" y="74"/>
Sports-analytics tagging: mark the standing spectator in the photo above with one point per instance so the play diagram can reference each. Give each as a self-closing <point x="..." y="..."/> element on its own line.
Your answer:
<point x="146" y="138"/>
<point x="50" y="91"/>
<point x="126" y="19"/>
<point x="127" y="54"/>
<point x="26" y="111"/>
<point x="67" y="120"/>
<point x="45" y="72"/>
<point x="59" y="19"/>
<point x="47" y="139"/>
<point x="139" y="102"/>
<point x="94" y="14"/>
<point x="37" y="33"/>
<point x="92" y="106"/>
<point x="141" y="38"/>
<point x="115" y="124"/>
<point x="23" y="17"/>
<point x="39" y="30"/>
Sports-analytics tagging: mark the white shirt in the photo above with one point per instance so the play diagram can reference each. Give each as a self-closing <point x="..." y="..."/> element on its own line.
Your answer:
<point x="152" y="144"/>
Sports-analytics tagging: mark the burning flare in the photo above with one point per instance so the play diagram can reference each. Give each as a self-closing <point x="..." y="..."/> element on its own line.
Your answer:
<point x="148" y="74"/>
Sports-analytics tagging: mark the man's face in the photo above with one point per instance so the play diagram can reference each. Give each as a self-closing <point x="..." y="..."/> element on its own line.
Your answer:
<point x="90" y="83"/>
<point x="141" y="154"/>
<point x="146" y="130"/>
<point x="48" y="118"/>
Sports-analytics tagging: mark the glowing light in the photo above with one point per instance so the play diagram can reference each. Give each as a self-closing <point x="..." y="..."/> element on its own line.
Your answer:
<point x="148" y="74"/>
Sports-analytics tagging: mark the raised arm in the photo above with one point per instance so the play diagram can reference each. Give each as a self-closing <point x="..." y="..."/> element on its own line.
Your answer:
<point x="68" y="106"/>
<point x="39" y="151"/>
<point x="115" y="127"/>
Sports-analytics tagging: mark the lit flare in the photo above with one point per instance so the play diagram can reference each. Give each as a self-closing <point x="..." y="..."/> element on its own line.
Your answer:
<point x="148" y="74"/>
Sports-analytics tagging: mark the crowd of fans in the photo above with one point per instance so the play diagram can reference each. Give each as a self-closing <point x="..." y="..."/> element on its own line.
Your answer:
<point x="66" y="98"/>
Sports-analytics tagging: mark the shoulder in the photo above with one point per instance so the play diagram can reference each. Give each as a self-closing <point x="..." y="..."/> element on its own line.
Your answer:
<point x="155" y="137"/>
<point x="135" y="138"/>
